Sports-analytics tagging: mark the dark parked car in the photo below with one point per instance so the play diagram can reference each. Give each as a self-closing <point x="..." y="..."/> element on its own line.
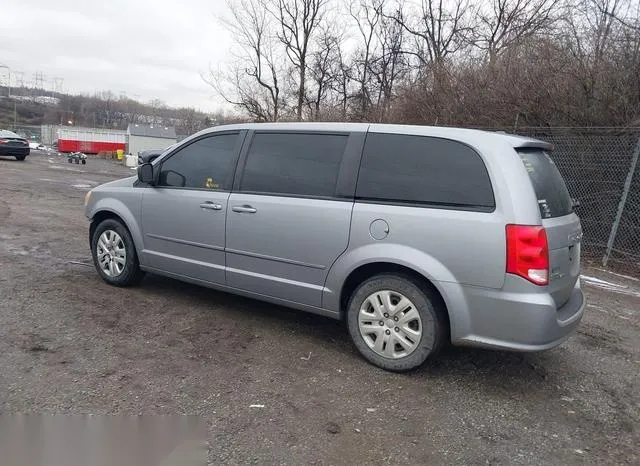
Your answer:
<point x="148" y="156"/>
<point x="13" y="145"/>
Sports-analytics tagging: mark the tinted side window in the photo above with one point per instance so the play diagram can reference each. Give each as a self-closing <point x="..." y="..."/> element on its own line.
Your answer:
<point x="293" y="164"/>
<point x="426" y="170"/>
<point x="204" y="164"/>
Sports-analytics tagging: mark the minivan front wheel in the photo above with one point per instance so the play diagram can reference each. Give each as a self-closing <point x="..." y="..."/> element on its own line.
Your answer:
<point x="395" y="323"/>
<point x="114" y="254"/>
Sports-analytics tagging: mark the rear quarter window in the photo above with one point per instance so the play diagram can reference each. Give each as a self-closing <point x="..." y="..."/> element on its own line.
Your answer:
<point x="552" y="193"/>
<point x="424" y="170"/>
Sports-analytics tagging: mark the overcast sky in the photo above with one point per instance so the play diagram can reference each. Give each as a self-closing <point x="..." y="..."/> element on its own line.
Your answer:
<point x="146" y="48"/>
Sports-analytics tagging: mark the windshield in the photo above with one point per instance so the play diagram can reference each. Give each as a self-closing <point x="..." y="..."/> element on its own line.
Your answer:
<point x="552" y="193"/>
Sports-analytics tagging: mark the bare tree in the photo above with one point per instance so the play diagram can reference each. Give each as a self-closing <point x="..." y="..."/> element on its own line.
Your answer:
<point x="324" y="68"/>
<point x="253" y="80"/>
<point x="632" y="22"/>
<point x="507" y="22"/>
<point x="188" y="120"/>
<point x="298" y="21"/>
<point x="440" y="28"/>
<point x="341" y="84"/>
<point x="591" y="40"/>
<point x="391" y="64"/>
<point x="105" y="107"/>
<point x="158" y="108"/>
<point x="511" y="62"/>
<point x="367" y="15"/>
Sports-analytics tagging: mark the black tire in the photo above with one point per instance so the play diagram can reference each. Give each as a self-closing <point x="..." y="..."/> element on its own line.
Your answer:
<point x="20" y="158"/>
<point x="131" y="273"/>
<point x="70" y="161"/>
<point x="84" y="162"/>
<point x="429" y="307"/>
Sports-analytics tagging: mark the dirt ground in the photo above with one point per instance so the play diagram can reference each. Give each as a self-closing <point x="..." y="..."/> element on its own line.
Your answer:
<point x="71" y="344"/>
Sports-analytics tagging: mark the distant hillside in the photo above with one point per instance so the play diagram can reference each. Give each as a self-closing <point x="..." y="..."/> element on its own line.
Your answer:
<point x="104" y="110"/>
<point x="26" y="113"/>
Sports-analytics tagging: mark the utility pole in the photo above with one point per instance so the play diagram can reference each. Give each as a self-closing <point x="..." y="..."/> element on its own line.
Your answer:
<point x="9" y="74"/>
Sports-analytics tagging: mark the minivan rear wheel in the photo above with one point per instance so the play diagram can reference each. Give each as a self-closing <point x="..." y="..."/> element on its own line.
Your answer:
<point x="114" y="254"/>
<point x="395" y="322"/>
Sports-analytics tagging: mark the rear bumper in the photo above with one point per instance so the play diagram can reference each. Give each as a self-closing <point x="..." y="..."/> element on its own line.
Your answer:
<point x="515" y="321"/>
<point x="10" y="151"/>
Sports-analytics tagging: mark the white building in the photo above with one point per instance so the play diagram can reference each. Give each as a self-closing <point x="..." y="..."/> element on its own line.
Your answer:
<point x="147" y="137"/>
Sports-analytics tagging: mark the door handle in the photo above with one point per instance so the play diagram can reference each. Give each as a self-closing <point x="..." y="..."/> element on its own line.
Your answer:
<point x="247" y="209"/>
<point x="210" y="206"/>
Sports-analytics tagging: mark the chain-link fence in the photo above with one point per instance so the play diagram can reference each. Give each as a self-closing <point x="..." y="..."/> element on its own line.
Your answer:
<point x="31" y="132"/>
<point x="601" y="169"/>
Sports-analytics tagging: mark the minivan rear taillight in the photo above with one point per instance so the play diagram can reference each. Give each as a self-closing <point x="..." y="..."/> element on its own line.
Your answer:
<point x="528" y="253"/>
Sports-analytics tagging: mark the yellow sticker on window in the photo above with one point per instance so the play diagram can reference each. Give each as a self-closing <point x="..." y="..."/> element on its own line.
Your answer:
<point x="210" y="184"/>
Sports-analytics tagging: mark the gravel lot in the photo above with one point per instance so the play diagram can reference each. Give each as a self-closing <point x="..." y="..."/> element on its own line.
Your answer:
<point x="71" y="344"/>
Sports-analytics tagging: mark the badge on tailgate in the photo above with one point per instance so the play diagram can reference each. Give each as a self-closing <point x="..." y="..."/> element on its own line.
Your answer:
<point x="575" y="237"/>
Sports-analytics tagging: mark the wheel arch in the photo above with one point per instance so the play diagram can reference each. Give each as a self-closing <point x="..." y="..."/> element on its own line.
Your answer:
<point x="100" y="217"/>
<point x="120" y="213"/>
<point x="370" y="269"/>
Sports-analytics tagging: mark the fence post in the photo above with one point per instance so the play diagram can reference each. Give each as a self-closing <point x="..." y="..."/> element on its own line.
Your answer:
<point x="623" y="201"/>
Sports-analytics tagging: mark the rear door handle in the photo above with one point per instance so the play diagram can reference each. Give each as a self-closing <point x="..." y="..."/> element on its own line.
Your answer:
<point x="210" y="206"/>
<point x="247" y="209"/>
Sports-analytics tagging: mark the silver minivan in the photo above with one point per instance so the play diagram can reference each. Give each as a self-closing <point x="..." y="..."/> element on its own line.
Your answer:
<point x="415" y="236"/>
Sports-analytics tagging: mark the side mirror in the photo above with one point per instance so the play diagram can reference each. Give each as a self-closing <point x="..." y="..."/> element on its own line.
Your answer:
<point x="145" y="173"/>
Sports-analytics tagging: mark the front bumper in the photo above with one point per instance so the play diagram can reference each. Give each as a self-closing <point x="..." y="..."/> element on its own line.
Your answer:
<point x="11" y="151"/>
<point x="515" y="321"/>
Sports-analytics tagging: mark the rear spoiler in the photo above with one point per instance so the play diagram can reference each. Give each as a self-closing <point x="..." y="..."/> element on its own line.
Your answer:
<point x="522" y="142"/>
<point x="535" y="144"/>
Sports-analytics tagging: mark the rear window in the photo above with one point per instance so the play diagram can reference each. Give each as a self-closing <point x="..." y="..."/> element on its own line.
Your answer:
<point x="424" y="170"/>
<point x="552" y="193"/>
<point x="8" y="134"/>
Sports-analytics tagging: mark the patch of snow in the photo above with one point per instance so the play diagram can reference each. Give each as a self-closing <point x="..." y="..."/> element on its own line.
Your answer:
<point x="81" y="186"/>
<point x="609" y="286"/>
<point x="599" y="281"/>
<point x="628" y="277"/>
